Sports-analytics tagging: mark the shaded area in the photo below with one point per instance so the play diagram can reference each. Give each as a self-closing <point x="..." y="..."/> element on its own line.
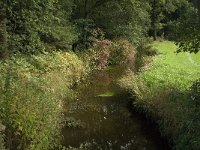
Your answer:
<point x="100" y="118"/>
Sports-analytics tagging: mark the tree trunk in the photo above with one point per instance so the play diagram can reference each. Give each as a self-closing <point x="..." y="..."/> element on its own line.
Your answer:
<point x="85" y="9"/>
<point x="154" y="34"/>
<point x="3" y="30"/>
<point x="154" y="20"/>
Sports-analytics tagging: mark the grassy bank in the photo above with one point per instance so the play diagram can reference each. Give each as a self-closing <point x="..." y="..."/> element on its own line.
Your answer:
<point x="165" y="91"/>
<point x="32" y="90"/>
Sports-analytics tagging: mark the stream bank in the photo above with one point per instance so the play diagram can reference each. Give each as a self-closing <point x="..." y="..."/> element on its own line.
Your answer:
<point x="167" y="91"/>
<point x="100" y="117"/>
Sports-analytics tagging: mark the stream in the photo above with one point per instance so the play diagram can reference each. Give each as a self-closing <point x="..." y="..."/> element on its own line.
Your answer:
<point x="100" y="118"/>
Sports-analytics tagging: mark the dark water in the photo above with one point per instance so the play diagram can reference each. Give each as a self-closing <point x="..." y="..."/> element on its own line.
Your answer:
<point x="96" y="121"/>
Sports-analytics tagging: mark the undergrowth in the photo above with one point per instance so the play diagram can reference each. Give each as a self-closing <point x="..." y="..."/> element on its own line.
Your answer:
<point x="32" y="90"/>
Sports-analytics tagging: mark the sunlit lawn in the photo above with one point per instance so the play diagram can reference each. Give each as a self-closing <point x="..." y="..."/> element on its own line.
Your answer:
<point x="163" y="90"/>
<point x="171" y="68"/>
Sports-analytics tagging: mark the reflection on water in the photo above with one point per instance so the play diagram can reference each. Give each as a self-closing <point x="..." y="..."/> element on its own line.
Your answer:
<point x="100" y="119"/>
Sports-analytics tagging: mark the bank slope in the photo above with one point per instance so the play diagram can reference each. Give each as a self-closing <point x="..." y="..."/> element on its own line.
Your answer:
<point x="32" y="91"/>
<point x="165" y="90"/>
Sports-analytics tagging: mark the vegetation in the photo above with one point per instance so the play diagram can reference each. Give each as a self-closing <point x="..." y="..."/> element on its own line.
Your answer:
<point x="188" y="21"/>
<point x="48" y="46"/>
<point x="160" y="10"/>
<point x="32" y="90"/>
<point x="164" y="91"/>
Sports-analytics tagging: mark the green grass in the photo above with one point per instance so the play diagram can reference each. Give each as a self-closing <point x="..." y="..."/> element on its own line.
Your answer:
<point x="162" y="90"/>
<point x="184" y="60"/>
<point x="172" y="68"/>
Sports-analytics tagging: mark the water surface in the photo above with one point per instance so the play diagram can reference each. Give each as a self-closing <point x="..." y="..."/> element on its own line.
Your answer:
<point x="100" y="118"/>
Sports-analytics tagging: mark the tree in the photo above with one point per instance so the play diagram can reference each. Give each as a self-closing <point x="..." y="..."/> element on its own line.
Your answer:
<point x="159" y="11"/>
<point x="117" y="18"/>
<point x="82" y="17"/>
<point x="126" y="19"/>
<point x="3" y="30"/>
<point x="29" y="26"/>
<point x="198" y="7"/>
<point x="189" y="40"/>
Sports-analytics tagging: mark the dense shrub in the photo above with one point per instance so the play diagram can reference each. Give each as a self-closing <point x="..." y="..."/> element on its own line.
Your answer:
<point x="97" y="57"/>
<point x="122" y="52"/>
<point x="32" y="90"/>
<point x="103" y="50"/>
<point x="106" y="52"/>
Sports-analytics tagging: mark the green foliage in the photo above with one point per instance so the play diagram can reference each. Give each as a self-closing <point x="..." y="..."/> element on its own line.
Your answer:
<point x="32" y="24"/>
<point x="183" y="27"/>
<point x="97" y="57"/>
<point x="31" y="96"/>
<point x="32" y="86"/>
<point x="127" y="18"/>
<point x="162" y="92"/>
<point x="87" y="34"/>
<point x="105" y="52"/>
<point x="3" y="30"/>
<point x="189" y="23"/>
<point x="160" y="14"/>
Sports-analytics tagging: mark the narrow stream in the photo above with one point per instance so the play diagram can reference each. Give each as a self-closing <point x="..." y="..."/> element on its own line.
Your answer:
<point x="100" y="118"/>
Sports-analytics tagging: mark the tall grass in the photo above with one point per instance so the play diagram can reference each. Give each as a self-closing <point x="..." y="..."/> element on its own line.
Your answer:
<point x="32" y="90"/>
<point x="162" y="90"/>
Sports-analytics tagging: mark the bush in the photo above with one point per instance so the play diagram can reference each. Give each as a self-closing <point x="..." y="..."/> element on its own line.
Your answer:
<point x="122" y="52"/>
<point x="97" y="56"/>
<point x="32" y="90"/>
<point x="103" y="50"/>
